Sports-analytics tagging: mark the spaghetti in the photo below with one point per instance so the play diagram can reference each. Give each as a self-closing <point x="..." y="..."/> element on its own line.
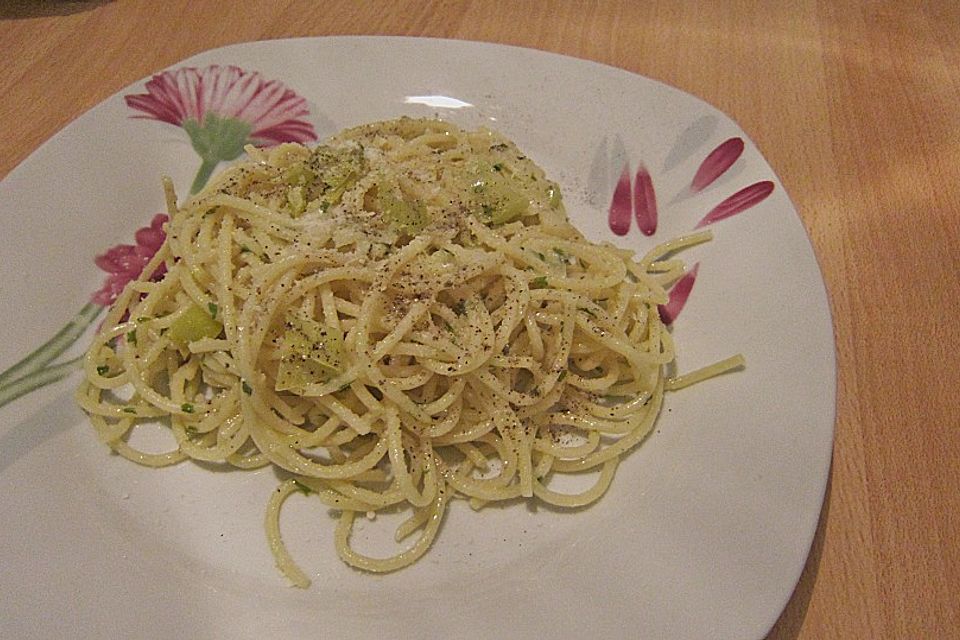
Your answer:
<point x="399" y="317"/>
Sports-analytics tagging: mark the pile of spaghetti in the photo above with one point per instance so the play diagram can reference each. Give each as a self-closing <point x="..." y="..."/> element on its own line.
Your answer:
<point x="401" y="316"/>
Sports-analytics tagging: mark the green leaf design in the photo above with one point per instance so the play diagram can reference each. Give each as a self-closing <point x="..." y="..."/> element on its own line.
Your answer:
<point x="53" y="347"/>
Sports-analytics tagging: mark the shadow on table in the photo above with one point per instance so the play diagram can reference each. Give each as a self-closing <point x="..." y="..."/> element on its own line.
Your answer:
<point x="41" y="8"/>
<point x="790" y="623"/>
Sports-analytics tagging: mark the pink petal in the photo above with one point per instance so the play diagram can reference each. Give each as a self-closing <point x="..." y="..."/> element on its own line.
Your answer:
<point x="150" y="237"/>
<point x="163" y="99"/>
<point x="276" y="107"/>
<point x="131" y="266"/>
<point x="187" y="92"/>
<point x="716" y="163"/>
<point x="678" y="296"/>
<point x="256" y="102"/>
<point x="126" y="262"/>
<point x="645" y="202"/>
<point x="111" y="289"/>
<point x="158" y="221"/>
<point x="156" y="109"/>
<point x="290" y="131"/>
<point x="738" y="202"/>
<point x="219" y="88"/>
<point x="619" y="216"/>
<point x="112" y="260"/>
<point x="141" y="255"/>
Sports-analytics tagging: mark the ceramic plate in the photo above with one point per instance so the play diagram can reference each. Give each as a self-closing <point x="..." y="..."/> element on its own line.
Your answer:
<point x="706" y="528"/>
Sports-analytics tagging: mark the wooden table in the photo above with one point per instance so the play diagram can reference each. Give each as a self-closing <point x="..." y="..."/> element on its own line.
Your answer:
<point x="857" y="107"/>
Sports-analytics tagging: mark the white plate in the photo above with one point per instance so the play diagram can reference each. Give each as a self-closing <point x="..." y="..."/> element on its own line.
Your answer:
<point x="706" y="528"/>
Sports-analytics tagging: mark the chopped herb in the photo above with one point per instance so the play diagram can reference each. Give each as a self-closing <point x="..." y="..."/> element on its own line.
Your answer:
<point x="460" y="307"/>
<point x="563" y="374"/>
<point x="186" y="407"/>
<point x="540" y="282"/>
<point x="247" y="389"/>
<point x="588" y="312"/>
<point x="542" y="257"/>
<point x="132" y="336"/>
<point x="143" y="318"/>
<point x="191" y="431"/>
<point x="213" y="309"/>
<point x="245" y="249"/>
<point x="563" y="255"/>
<point x="302" y="488"/>
<point x="498" y="166"/>
<point x="447" y="326"/>
<point x="103" y="370"/>
<point x="344" y="387"/>
<point x="129" y="410"/>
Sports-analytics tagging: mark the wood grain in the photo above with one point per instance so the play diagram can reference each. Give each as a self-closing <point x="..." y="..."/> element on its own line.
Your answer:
<point x="856" y="105"/>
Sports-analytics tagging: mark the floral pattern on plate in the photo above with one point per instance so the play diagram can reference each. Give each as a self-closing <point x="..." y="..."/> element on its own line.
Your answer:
<point x="222" y="109"/>
<point x="637" y="201"/>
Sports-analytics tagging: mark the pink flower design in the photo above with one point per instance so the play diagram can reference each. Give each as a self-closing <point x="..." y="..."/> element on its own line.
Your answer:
<point x="123" y="263"/>
<point x="717" y="163"/>
<point x="738" y="202"/>
<point x="678" y="296"/>
<point x="642" y="202"/>
<point x="645" y="202"/>
<point x="126" y="262"/>
<point x="620" y="204"/>
<point x="222" y="109"/>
